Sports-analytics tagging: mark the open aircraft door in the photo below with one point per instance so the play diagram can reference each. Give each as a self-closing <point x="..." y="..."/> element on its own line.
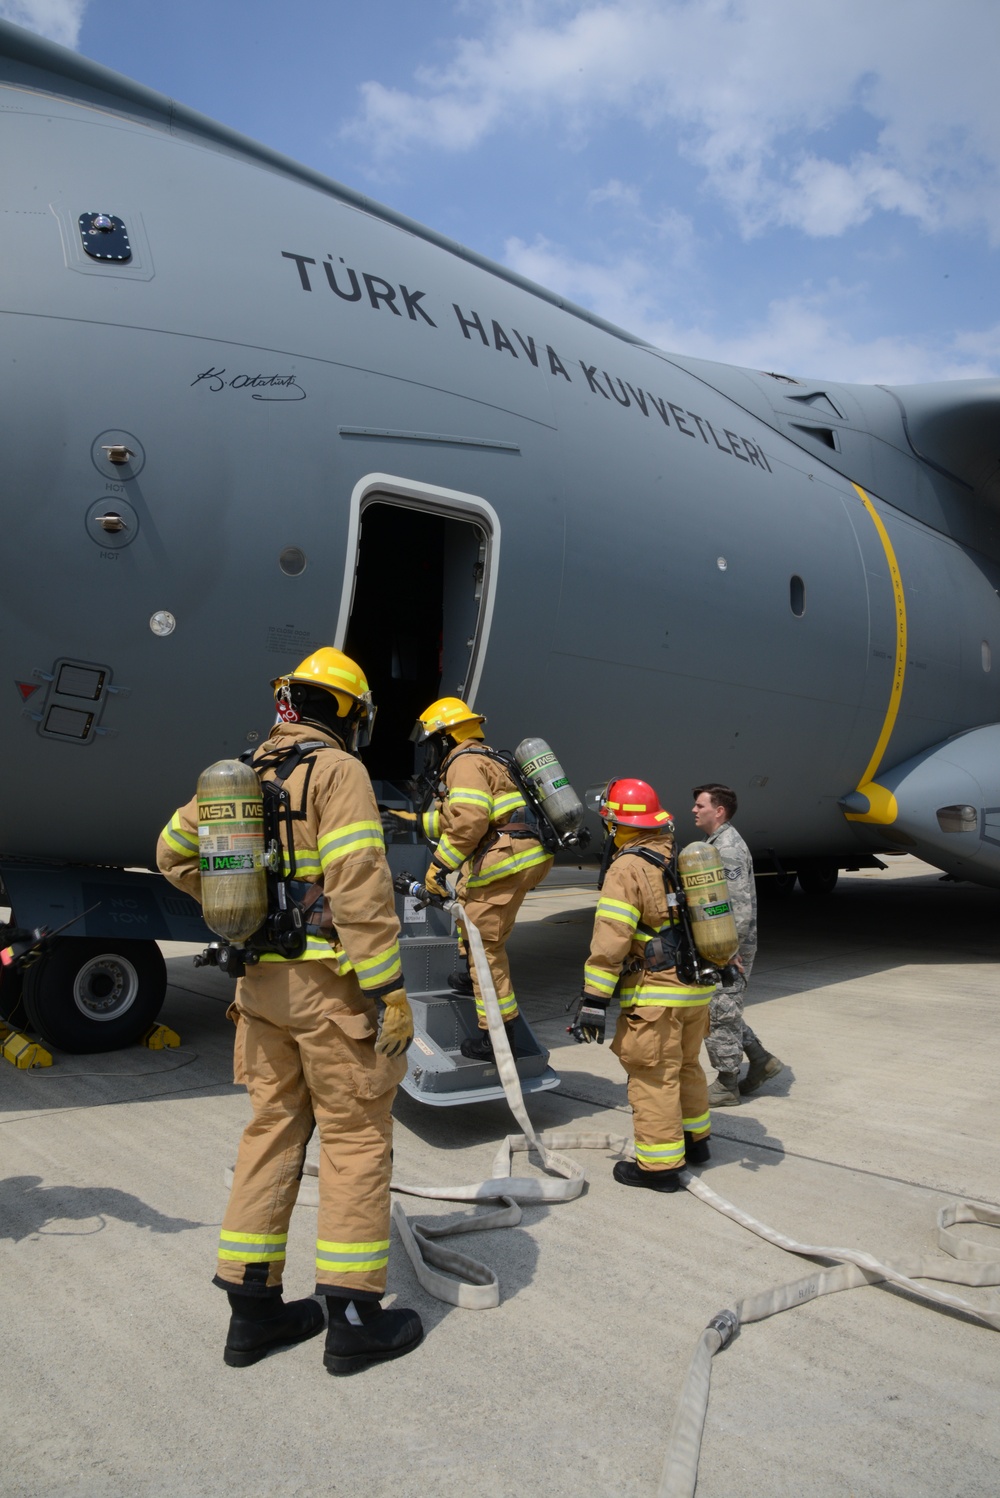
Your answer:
<point x="417" y="606"/>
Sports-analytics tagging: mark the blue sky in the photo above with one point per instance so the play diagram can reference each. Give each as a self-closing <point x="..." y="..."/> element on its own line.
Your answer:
<point x="792" y="185"/>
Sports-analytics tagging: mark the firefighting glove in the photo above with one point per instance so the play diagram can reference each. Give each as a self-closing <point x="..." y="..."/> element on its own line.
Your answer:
<point x="591" y="1017"/>
<point x="395" y="820"/>
<point x="434" y="881"/>
<point x="396" y="1030"/>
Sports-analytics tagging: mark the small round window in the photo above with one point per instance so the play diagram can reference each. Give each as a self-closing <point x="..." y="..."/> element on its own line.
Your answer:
<point x="292" y="561"/>
<point x="797" y="596"/>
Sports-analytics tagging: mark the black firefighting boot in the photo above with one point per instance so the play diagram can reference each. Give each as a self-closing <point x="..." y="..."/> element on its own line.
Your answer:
<point x="724" y="1091"/>
<point x="696" y="1151"/>
<point x="762" y="1067"/>
<point x="480" y="1047"/>
<point x="628" y="1173"/>
<point x="259" y="1324"/>
<point x="460" y="981"/>
<point x="361" y="1333"/>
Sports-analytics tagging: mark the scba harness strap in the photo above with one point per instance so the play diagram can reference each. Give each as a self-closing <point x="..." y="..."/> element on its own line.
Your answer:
<point x="675" y="947"/>
<point x="296" y="908"/>
<point x="527" y="821"/>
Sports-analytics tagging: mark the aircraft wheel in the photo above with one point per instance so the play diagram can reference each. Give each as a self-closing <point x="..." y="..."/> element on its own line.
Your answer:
<point x="817" y="879"/>
<point x="89" y="994"/>
<point x="775" y="886"/>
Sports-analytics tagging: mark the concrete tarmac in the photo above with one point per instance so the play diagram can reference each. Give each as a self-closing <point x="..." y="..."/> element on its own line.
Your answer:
<point x="882" y="1000"/>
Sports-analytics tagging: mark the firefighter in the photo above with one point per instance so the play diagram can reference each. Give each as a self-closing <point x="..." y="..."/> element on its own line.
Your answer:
<point x="662" y="1022"/>
<point x="309" y="1045"/>
<point x="479" y="826"/>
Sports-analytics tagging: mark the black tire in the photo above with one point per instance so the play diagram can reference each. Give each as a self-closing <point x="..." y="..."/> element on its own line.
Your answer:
<point x="89" y="994"/>
<point x="775" y="886"/>
<point x="817" y="879"/>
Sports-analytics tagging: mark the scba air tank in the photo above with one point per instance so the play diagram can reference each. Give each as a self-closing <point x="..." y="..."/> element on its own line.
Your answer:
<point x="712" y="925"/>
<point x="231" y="848"/>
<point x="550" y="785"/>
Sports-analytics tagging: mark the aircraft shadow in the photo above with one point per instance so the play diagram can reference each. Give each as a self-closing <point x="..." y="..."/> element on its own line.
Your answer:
<point x="867" y="926"/>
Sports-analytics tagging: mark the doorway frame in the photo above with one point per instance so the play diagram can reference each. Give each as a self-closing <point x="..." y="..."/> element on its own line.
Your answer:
<point x="432" y="499"/>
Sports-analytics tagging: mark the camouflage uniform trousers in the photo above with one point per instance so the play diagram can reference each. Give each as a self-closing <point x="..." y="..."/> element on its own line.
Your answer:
<point x="728" y="1033"/>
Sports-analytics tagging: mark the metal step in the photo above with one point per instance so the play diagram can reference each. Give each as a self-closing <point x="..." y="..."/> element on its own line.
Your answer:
<point x="438" y="1072"/>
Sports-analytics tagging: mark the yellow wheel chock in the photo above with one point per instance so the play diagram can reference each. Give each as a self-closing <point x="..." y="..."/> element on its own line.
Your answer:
<point x="20" y="1051"/>
<point x="161" y="1038"/>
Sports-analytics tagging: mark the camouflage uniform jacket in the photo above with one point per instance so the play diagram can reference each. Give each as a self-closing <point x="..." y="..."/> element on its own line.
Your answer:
<point x="738" y="865"/>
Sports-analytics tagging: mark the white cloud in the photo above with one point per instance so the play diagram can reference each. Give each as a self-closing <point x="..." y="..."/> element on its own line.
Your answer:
<point x="614" y="191"/>
<point x="751" y="91"/>
<point x="59" y="20"/>
<point x="802" y="335"/>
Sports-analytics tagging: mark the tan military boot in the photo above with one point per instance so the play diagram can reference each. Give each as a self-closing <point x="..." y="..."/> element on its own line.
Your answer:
<point x="724" y="1091"/>
<point x="762" y="1067"/>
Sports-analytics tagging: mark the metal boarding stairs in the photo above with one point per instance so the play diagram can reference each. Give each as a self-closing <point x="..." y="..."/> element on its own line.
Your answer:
<point x="438" y="1073"/>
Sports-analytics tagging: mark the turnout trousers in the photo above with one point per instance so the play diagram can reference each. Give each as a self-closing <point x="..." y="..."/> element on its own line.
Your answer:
<point x="305" y="1049"/>
<point x="492" y="909"/>
<point x="667" y="1090"/>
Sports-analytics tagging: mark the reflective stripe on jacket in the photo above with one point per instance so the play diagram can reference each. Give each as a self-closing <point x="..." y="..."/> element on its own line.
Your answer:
<point x="633" y="894"/>
<point x="479" y="798"/>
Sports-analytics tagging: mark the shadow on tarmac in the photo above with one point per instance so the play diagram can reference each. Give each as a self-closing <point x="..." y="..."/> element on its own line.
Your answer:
<point x="27" y="1208"/>
<point x="867" y="926"/>
<point x="750" y="1149"/>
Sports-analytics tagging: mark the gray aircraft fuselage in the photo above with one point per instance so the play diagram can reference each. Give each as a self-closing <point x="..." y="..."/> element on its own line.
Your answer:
<point x="668" y="568"/>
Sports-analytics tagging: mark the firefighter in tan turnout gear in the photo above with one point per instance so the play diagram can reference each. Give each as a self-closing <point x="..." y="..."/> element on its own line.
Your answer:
<point x="309" y="1045"/>
<point x="479" y="825"/>
<point x="662" y="1021"/>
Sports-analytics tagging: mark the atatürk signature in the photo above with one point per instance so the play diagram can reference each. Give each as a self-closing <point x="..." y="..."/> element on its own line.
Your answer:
<point x="285" y="387"/>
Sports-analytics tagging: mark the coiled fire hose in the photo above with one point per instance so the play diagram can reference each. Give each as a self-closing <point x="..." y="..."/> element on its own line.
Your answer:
<point x="455" y="1277"/>
<point x="463" y="1281"/>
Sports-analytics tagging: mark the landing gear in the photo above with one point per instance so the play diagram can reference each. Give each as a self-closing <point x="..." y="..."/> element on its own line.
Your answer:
<point x="817" y="878"/>
<point x="775" y="886"/>
<point x="90" y="994"/>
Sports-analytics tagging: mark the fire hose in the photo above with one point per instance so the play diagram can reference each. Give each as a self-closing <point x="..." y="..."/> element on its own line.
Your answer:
<point x="462" y="1281"/>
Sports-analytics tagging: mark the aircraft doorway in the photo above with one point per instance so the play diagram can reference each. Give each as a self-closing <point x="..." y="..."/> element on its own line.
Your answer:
<point x="419" y="613"/>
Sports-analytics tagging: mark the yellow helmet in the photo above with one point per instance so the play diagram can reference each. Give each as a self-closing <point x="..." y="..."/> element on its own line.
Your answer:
<point x="448" y="715"/>
<point x="334" y="672"/>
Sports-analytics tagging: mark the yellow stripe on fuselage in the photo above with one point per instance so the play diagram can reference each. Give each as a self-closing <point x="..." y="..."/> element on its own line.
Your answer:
<point x="882" y="808"/>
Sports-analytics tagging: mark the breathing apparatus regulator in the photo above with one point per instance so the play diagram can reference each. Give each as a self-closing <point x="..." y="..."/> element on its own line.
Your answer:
<point x="702" y="939"/>
<point x="251" y="898"/>
<point x="553" y="812"/>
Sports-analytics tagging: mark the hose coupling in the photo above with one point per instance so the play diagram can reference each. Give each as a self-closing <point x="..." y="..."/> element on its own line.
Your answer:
<point x="726" y="1324"/>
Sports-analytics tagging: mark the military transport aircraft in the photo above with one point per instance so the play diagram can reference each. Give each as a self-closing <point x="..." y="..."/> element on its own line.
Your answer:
<point x="247" y="411"/>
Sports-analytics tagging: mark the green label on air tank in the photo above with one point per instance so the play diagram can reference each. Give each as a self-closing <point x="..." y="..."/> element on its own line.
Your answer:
<point x="557" y="785"/>
<point x="710" y="910"/>
<point x="532" y="766"/>
<point x="228" y="863"/>
<point x="216" y="811"/>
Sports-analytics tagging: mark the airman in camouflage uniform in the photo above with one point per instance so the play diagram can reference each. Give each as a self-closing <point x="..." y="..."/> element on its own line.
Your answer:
<point x="729" y="1035"/>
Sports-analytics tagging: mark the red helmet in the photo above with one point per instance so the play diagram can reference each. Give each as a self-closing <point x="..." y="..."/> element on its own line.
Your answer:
<point x="633" y="803"/>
